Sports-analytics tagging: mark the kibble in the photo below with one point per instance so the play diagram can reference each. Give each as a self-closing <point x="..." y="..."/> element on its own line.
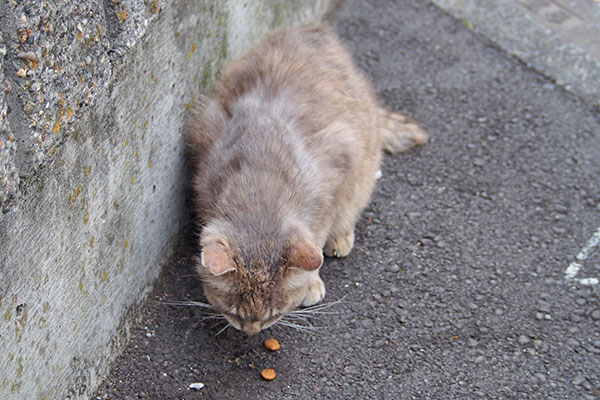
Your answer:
<point x="272" y="344"/>
<point x="268" y="374"/>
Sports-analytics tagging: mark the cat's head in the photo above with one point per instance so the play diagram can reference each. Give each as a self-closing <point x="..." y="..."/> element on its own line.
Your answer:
<point x="254" y="286"/>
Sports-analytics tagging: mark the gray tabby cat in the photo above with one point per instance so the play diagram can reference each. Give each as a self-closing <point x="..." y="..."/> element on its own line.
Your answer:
<point x="286" y="150"/>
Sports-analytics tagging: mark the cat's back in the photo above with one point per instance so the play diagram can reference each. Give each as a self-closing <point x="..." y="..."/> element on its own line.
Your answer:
<point x="310" y="65"/>
<point x="294" y="107"/>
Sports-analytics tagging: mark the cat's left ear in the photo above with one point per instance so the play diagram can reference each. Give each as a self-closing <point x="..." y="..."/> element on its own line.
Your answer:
<point x="216" y="259"/>
<point x="305" y="255"/>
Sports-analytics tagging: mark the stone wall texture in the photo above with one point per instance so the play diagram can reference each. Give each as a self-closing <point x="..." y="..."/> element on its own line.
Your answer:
<point x="93" y="95"/>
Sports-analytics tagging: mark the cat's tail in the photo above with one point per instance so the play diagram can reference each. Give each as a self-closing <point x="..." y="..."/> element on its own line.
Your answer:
<point x="399" y="132"/>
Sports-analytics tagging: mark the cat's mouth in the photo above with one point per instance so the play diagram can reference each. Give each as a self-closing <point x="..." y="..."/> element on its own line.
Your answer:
<point x="248" y="326"/>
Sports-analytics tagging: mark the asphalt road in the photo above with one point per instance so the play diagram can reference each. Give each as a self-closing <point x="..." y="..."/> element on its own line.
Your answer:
<point x="456" y="288"/>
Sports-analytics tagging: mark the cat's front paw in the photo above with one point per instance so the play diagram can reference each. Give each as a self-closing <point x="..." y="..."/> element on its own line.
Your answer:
<point x="315" y="292"/>
<point x="339" y="246"/>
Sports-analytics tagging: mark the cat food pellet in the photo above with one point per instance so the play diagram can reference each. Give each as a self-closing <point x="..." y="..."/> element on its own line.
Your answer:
<point x="272" y="344"/>
<point x="268" y="374"/>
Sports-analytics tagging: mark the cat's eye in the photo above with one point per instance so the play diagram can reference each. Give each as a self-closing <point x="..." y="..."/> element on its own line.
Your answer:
<point x="231" y="315"/>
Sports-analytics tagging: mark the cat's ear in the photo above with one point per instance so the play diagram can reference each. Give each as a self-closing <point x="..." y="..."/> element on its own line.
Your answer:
<point x="305" y="255"/>
<point x="216" y="259"/>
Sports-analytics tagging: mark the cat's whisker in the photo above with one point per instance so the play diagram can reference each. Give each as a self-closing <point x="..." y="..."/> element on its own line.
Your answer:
<point x="190" y="276"/>
<point x="320" y="306"/>
<point x="215" y="316"/>
<point x="188" y="303"/>
<point x="297" y="318"/>
<point x="212" y="316"/>
<point x="207" y="308"/>
<point x="303" y="318"/>
<point x="196" y="324"/>
<point x="216" y="324"/>
<point x="311" y="312"/>
<point x="302" y="328"/>
<point x="306" y="324"/>
<point x="223" y="329"/>
<point x="317" y="309"/>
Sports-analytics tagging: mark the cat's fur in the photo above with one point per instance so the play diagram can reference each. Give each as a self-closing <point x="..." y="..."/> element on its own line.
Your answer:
<point x="286" y="150"/>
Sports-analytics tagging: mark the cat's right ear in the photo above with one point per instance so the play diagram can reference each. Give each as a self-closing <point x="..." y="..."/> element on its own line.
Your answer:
<point x="216" y="259"/>
<point x="305" y="255"/>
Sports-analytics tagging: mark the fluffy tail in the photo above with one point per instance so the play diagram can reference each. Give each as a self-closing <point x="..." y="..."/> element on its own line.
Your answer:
<point x="399" y="132"/>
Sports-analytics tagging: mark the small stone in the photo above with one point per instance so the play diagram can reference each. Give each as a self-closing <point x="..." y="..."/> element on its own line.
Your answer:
<point x="426" y="242"/>
<point x="23" y="34"/>
<point x="539" y="315"/>
<point x="523" y="340"/>
<point x="393" y="268"/>
<point x="367" y="323"/>
<point x="572" y="342"/>
<point x="596" y="315"/>
<point x="196" y="385"/>
<point x="479" y="162"/>
<point x="27" y="55"/>
<point x="412" y="179"/>
<point x="28" y="106"/>
<point x="543" y="307"/>
<point x="561" y="209"/>
<point x="592" y="349"/>
<point x="578" y="380"/>
<point x="538" y="378"/>
<point x="350" y="370"/>
<point x="414" y="215"/>
<point x="22" y="73"/>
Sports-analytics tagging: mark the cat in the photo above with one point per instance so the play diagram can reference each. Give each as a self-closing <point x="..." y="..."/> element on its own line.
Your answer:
<point x="286" y="148"/>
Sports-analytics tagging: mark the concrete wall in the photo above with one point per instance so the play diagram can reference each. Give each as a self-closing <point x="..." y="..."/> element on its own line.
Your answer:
<point x="92" y="99"/>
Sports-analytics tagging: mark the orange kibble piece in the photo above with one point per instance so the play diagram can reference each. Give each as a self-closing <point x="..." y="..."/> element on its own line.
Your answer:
<point x="272" y="344"/>
<point x="268" y="374"/>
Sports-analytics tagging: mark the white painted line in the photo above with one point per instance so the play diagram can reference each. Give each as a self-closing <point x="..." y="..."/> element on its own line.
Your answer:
<point x="575" y="266"/>
<point x="572" y="270"/>
<point x="593" y="242"/>
<point x="589" y="281"/>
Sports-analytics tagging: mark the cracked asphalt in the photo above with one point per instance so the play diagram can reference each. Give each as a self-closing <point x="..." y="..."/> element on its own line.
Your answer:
<point x="456" y="286"/>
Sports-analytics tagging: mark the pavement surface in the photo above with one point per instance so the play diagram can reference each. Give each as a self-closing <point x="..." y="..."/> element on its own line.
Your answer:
<point x="558" y="38"/>
<point x="475" y="266"/>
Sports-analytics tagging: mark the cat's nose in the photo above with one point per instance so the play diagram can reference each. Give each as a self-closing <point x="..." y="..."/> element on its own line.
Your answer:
<point x="252" y="328"/>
